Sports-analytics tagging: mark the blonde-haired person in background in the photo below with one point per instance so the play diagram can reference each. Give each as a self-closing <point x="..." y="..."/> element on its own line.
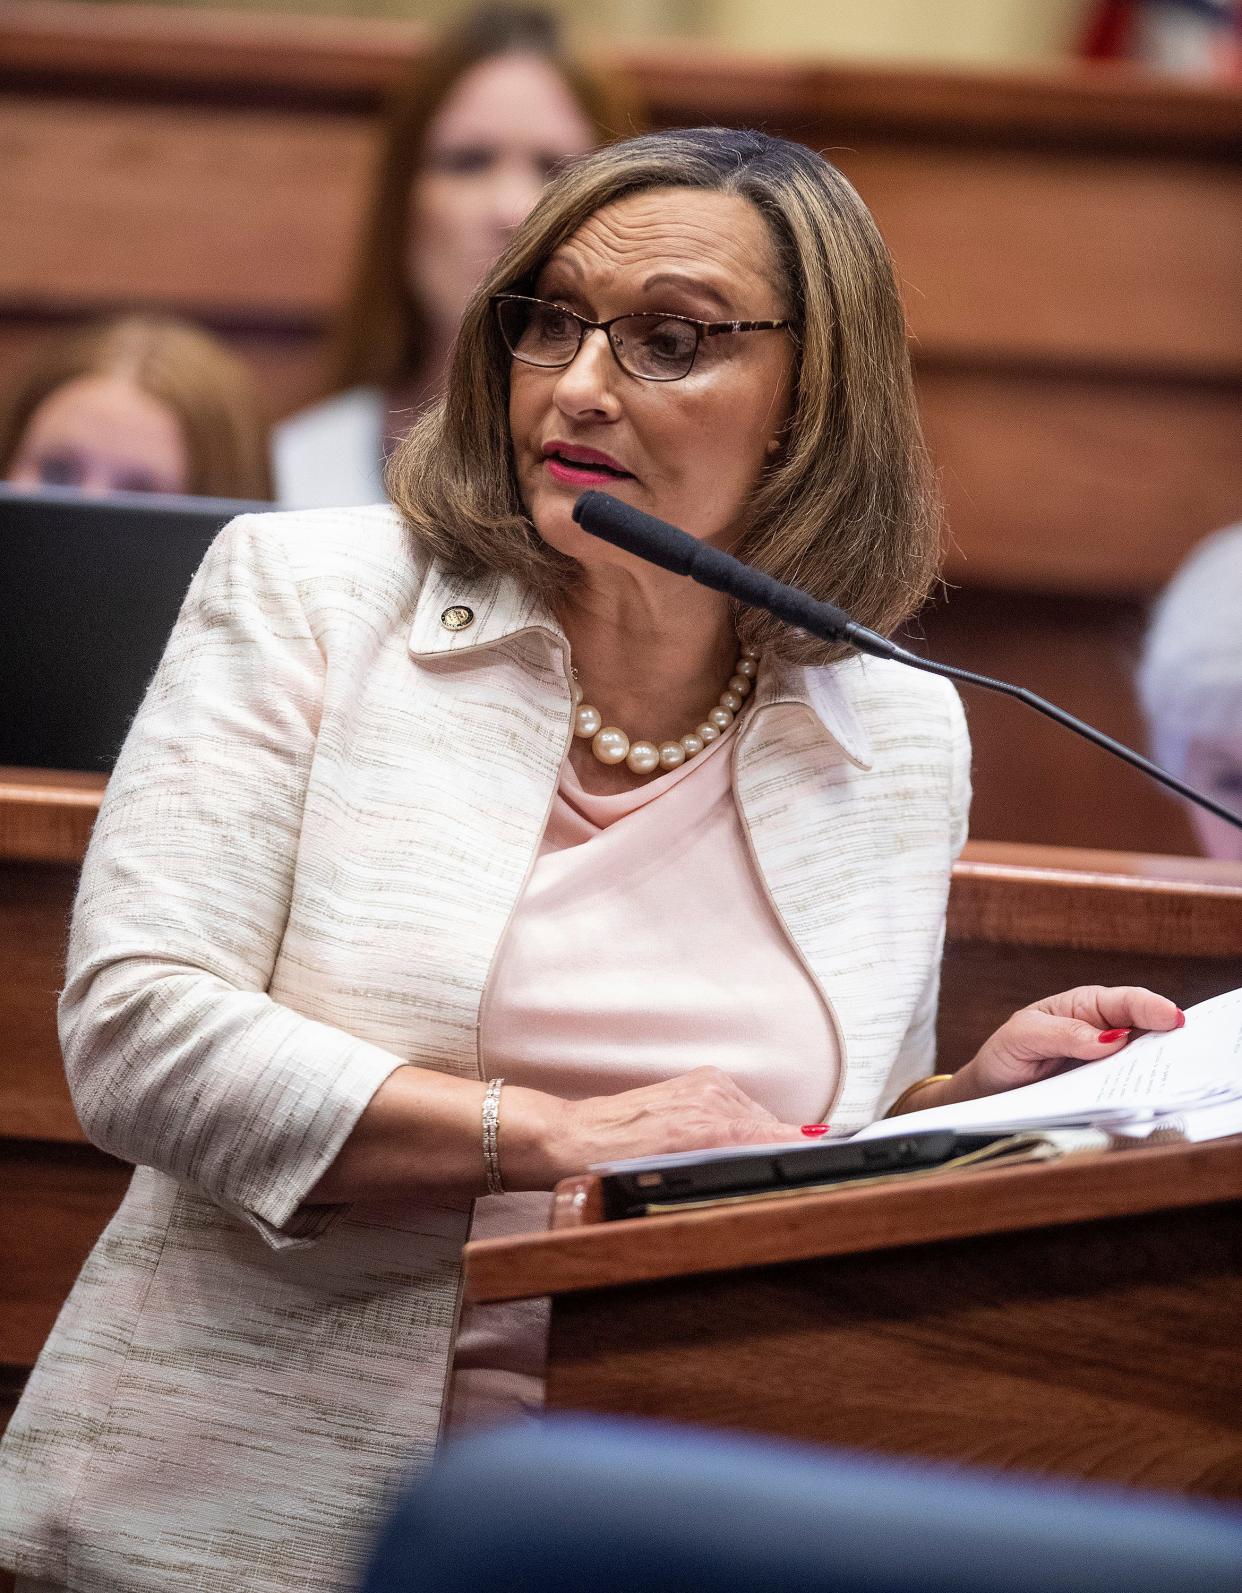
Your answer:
<point x="137" y="403"/>
<point x="469" y="140"/>
<point x="453" y="851"/>
<point x="1190" y="683"/>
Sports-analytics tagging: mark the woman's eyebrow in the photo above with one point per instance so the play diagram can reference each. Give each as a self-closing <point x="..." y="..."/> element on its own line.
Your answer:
<point x="689" y="284"/>
<point x="561" y="262"/>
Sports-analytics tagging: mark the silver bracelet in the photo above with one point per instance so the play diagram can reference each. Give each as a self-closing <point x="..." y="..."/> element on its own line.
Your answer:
<point x="491" y="1132"/>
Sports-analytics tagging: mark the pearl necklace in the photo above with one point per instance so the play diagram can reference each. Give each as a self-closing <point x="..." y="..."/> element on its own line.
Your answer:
<point x="611" y="745"/>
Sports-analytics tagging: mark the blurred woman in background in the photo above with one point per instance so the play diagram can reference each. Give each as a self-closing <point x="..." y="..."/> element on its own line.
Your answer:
<point x="138" y="403"/>
<point x="470" y="139"/>
<point x="1190" y="683"/>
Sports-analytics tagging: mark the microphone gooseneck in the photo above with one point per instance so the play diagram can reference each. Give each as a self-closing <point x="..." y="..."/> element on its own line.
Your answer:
<point x="606" y="517"/>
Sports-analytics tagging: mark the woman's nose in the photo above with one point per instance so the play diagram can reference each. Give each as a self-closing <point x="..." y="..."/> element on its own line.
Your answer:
<point x="588" y="383"/>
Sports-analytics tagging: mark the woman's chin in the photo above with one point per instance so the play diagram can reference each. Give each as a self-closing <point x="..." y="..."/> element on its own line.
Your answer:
<point x="552" y="511"/>
<point x="556" y="527"/>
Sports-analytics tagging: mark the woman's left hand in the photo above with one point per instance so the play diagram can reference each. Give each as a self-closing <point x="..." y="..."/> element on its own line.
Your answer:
<point x="1059" y="1033"/>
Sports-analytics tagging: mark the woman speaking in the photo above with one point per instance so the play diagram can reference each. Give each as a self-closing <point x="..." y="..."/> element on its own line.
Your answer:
<point x="454" y="850"/>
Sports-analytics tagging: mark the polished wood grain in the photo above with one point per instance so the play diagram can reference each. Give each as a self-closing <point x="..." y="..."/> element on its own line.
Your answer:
<point x="1084" y="220"/>
<point x="122" y="175"/>
<point x="576" y="1202"/>
<point x="1076" y="1319"/>
<point x="1026" y="922"/>
<point x="1005" y="894"/>
<point x="45" y="823"/>
<point x="1033" y="780"/>
<point x="1062" y="483"/>
<point x="158" y="189"/>
<point x="46" y="814"/>
<point x="1104" y="1351"/>
<point x="35" y="903"/>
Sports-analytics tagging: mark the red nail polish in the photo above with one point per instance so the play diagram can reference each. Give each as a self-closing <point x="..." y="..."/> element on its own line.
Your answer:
<point x="814" y="1130"/>
<point x="1111" y="1036"/>
<point x="1181" y="1019"/>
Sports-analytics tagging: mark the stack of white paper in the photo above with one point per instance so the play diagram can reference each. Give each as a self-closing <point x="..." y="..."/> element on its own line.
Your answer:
<point x="1188" y="1081"/>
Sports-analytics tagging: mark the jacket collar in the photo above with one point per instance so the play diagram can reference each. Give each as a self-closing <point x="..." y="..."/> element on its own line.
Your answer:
<point x="827" y="695"/>
<point x="498" y="608"/>
<point x="461" y="614"/>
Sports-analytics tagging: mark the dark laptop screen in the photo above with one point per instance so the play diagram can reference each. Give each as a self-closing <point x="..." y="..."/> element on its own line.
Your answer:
<point x="90" y="588"/>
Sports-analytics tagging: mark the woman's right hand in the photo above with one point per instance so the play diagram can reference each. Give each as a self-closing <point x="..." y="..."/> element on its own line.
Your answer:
<point x="695" y="1111"/>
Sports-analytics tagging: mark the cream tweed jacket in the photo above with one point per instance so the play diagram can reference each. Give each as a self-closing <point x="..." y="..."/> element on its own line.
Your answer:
<point x="315" y="835"/>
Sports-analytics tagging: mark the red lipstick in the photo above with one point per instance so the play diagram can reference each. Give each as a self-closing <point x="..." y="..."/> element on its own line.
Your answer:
<point x="581" y="466"/>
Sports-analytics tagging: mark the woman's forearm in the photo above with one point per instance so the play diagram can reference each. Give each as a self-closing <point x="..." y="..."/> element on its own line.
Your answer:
<point x="421" y="1134"/>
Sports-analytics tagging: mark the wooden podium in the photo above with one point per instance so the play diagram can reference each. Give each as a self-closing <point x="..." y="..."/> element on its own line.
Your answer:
<point x="1078" y="1319"/>
<point x="924" y="1346"/>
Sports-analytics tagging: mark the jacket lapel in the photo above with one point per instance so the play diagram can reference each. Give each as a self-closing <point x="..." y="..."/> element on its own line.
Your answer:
<point x="810" y="796"/>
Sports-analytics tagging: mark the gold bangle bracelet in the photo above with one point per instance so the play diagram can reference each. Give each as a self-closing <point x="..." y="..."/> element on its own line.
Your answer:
<point x="913" y="1089"/>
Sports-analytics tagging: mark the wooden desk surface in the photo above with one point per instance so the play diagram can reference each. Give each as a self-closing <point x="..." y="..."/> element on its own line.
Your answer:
<point x="1075" y="1319"/>
<point x="343" y="63"/>
<point x="992" y="1323"/>
<point x="593" y="1254"/>
<point x="1100" y="901"/>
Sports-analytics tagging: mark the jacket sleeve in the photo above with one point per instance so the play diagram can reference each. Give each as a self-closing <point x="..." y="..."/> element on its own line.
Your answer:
<point x="176" y="1056"/>
<point x="917" y="1056"/>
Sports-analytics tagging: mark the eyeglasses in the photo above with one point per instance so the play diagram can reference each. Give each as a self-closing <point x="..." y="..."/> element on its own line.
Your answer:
<point x="656" y="348"/>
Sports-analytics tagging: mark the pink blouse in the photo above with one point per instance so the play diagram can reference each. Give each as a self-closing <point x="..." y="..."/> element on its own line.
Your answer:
<point x="643" y="946"/>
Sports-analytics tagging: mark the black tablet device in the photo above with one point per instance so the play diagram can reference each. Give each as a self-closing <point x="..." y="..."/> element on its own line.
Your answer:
<point x="636" y="1188"/>
<point x="90" y="589"/>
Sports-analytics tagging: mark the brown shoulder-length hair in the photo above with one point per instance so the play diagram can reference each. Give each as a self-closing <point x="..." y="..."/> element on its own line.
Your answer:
<point x="207" y="388"/>
<point x="848" y="510"/>
<point x="379" y="337"/>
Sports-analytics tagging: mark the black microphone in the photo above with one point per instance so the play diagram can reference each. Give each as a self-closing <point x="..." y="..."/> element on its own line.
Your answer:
<point x="630" y="529"/>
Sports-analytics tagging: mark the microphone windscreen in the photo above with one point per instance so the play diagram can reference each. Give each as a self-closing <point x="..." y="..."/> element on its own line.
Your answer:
<point x="633" y="531"/>
<point x="672" y="549"/>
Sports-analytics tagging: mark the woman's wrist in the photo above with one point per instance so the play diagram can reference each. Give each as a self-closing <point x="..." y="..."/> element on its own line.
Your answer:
<point x="964" y="1085"/>
<point x="421" y="1134"/>
<point x="531" y="1131"/>
<point x="919" y="1096"/>
<point x="938" y="1089"/>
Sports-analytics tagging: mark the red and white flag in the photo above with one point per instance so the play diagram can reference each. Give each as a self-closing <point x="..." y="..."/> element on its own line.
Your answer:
<point x="1201" y="37"/>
